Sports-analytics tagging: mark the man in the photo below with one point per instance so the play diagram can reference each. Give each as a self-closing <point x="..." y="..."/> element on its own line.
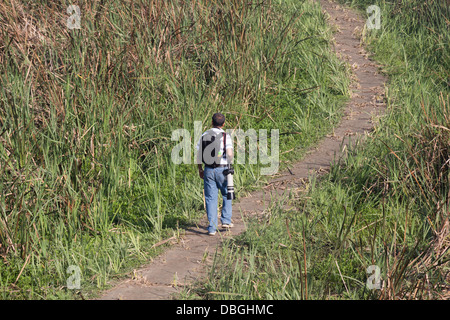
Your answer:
<point x="213" y="177"/>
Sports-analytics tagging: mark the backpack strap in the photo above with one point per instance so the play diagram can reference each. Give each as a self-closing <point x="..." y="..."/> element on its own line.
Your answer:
<point x="224" y="143"/>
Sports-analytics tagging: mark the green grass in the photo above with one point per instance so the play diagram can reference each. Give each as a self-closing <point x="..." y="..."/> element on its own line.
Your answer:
<point x="86" y="118"/>
<point x="386" y="205"/>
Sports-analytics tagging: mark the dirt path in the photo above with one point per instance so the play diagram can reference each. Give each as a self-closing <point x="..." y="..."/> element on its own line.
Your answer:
<point x="185" y="261"/>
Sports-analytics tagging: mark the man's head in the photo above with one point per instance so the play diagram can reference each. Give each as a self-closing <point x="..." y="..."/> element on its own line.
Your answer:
<point x="218" y="120"/>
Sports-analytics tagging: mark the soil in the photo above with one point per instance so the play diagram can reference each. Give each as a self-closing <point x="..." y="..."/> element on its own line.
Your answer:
<point x="188" y="259"/>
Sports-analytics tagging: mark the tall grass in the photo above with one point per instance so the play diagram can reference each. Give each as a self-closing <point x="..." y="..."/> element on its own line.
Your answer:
<point x="87" y="114"/>
<point x="386" y="205"/>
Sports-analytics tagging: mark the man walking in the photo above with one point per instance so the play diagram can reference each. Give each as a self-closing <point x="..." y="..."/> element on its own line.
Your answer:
<point x="215" y="150"/>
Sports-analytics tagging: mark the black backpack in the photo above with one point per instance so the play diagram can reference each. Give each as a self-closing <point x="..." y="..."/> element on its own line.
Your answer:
<point x="210" y="146"/>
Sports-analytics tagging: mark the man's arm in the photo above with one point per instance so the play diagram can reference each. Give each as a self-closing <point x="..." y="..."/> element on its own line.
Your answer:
<point x="229" y="149"/>
<point x="230" y="155"/>
<point x="199" y="163"/>
<point x="200" y="171"/>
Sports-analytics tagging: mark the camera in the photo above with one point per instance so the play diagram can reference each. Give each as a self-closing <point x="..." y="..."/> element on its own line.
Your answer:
<point x="228" y="172"/>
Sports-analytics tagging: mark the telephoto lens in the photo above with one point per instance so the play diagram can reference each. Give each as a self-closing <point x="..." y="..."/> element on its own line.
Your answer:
<point x="230" y="186"/>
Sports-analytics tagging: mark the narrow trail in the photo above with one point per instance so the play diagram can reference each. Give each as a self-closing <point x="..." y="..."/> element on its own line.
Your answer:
<point x="186" y="260"/>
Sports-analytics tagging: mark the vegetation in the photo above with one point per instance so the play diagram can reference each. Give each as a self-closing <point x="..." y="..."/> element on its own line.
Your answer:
<point x="87" y="114"/>
<point x="386" y="205"/>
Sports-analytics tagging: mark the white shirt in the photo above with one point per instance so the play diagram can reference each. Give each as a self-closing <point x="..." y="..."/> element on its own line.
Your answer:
<point x="229" y="145"/>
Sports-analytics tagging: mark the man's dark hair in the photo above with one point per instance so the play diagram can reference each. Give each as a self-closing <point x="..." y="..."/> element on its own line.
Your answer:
<point x="218" y="120"/>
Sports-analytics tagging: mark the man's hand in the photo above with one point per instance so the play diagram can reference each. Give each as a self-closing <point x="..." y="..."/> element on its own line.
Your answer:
<point x="200" y="171"/>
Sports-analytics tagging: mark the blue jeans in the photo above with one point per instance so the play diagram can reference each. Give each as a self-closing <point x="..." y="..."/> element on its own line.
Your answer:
<point x="214" y="180"/>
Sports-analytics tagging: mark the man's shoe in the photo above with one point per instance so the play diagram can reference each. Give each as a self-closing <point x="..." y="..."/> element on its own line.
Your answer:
<point x="227" y="225"/>
<point x="212" y="233"/>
